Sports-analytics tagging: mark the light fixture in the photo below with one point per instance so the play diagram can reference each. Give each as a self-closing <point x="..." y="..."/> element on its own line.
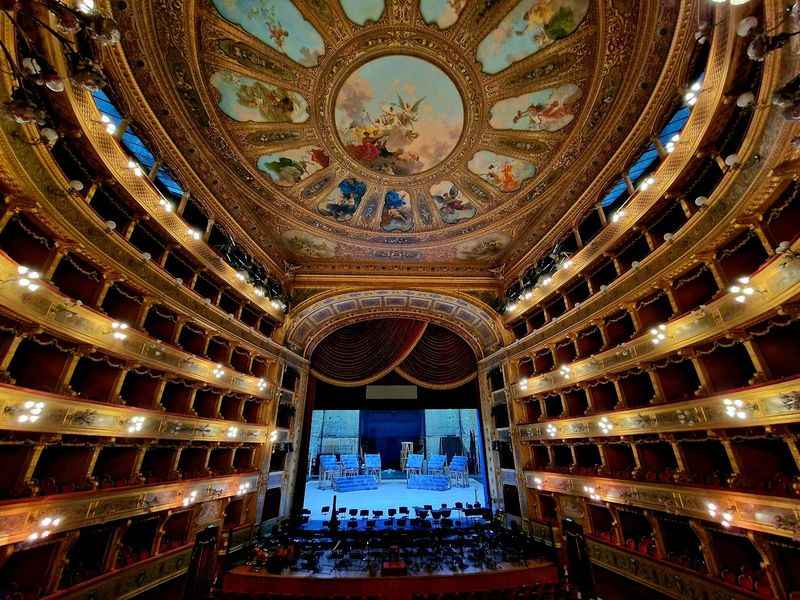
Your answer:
<point x="701" y="201"/>
<point x="692" y="94"/>
<point x="218" y="371"/>
<point x="45" y="525"/>
<point x="648" y="181"/>
<point x="167" y="205"/>
<point x="552" y="430"/>
<point x="193" y="233"/>
<point x="670" y="145"/>
<point x="273" y="436"/>
<point x="134" y="166"/>
<point x="527" y="295"/>
<point x="547" y="280"/>
<point x="232" y="432"/>
<point x="538" y="482"/>
<point x="110" y="128"/>
<point x="118" y="330"/>
<point x="615" y="218"/>
<point x="191" y="498"/>
<point x="742" y="289"/>
<point x="262" y="384"/>
<point x="565" y="370"/>
<point x="591" y="491"/>
<point x="605" y="425"/>
<point x="243" y="488"/>
<point x="511" y="307"/>
<point x="27" y="278"/>
<point x="523" y="383"/>
<point x="31" y="412"/>
<point x="657" y="334"/>
<point x="735" y="408"/>
<point x="136" y="424"/>
<point x="565" y="264"/>
<point x="259" y="292"/>
<point x="241" y="276"/>
<point x="86" y="6"/>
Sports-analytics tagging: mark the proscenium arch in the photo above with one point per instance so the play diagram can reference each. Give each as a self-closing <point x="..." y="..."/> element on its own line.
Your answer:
<point x="472" y="320"/>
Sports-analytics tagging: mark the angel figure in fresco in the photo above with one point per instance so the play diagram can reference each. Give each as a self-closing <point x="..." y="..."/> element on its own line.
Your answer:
<point x="274" y="104"/>
<point x="547" y="22"/>
<point x="453" y="207"/>
<point x="276" y="31"/>
<point x="555" y="113"/>
<point x="503" y="178"/>
<point x="344" y="201"/>
<point x="396" y="212"/>
<point x="288" y="171"/>
<point x="381" y="142"/>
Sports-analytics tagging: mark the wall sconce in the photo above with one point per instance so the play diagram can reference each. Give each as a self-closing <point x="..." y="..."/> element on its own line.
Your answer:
<point x="552" y="430"/>
<point x="658" y="334"/>
<point x="167" y="205"/>
<point x="218" y="371"/>
<point x="538" y="483"/>
<point x="118" y="329"/>
<point x="193" y="233"/>
<point x="605" y="425"/>
<point x="134" y="166"/>
<point x="27" y="278"/>
<point x="136" y="424"/>
<point x="742" y="289"/>
<point x="190" y="499"/>
<point x="31" y="412"/>
<point x="232" y="432"/>
<point x="565" y="370"/>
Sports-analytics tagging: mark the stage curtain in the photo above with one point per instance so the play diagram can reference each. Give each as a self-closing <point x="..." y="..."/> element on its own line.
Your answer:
<point x="361" y="353"/>
<point x="440" y="360"/>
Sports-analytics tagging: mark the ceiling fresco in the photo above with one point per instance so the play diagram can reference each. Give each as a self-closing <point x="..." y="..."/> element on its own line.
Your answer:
<point x="426" y="134"/>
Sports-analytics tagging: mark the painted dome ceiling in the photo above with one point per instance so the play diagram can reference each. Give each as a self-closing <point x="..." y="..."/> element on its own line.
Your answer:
<point x="424" y="133"/>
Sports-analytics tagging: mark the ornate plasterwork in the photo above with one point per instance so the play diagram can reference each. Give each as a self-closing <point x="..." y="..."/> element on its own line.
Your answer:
<point x="313" y="320"/>
<point x="606" y="53"/>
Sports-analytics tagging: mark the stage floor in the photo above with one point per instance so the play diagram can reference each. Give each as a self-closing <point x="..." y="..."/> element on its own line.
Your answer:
<point x="390" y="494"/>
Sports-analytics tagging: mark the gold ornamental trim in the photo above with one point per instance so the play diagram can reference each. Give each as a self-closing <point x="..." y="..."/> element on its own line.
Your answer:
<point x="769" y="514"/>
<point x="68" y="415"/>
<point x="20" y="519"/>
<point x="660" y="575"/>
<point x="756" y="406"/>
<point x="775" y="284"/>
<point x="50" y="309"/>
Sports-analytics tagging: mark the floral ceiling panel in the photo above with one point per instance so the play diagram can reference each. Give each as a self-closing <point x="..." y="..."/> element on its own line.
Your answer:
<point x="427" y="134"/>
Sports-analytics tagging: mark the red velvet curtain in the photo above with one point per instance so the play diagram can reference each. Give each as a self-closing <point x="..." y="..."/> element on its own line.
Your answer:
<point x="441" y="359"/>
<point x="364" y="352"/>
<point x="426" y="354"/>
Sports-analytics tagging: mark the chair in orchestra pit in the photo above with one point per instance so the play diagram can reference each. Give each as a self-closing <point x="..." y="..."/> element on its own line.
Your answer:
<point x="437" y="464"/>
<point x="413" y="465"/>
<point x="372" y="465"/>
<point x="329" y="468"/>
<point x="350" y="464"/>
<point x="458" y="471"/>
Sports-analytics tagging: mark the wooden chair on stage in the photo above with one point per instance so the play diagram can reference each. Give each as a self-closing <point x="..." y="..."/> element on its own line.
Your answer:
<point x="458" y="471"/>
<point x="372" y="465"/>
<point x="437" y="464"/>
<point x="350" y="465"/>
<point x="329" y="468"/>
<point x="413" y="465"/>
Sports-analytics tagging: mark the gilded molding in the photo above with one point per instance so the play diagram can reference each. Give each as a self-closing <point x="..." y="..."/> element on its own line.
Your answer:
<point x="134" y="580"/>
<point x="765" y="405"/>
<point x="49" y="309"/>
<point x="20" y="518"/>
<point x="68" y="415"/>
<point x="660" y="575"/>
<point x="768" y="514"/>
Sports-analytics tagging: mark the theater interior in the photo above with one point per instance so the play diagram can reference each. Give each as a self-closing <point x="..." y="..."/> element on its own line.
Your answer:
<point x="400" y="299"/>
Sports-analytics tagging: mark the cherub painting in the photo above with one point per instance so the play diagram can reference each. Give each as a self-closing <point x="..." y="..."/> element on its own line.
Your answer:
<point x="396" y="214"/>
<point x="288" y="167"/>
<point x="453" y="206"/>
<point x="245" y="99"/>
<point x="485" y="248"/>
<point x="399" y="115"/>
<point x="530" y="26"/>
<point x="305" y="244"/>
<point x="343" y="202"/>
<point x="545" y="110"/>
<point x="504" y="172"/>
<point x="442" y="12"/>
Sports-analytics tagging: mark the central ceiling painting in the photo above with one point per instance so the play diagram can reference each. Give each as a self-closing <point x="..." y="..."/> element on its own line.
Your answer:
<point x="399" y="115"/>
<point x="419" y="133"/>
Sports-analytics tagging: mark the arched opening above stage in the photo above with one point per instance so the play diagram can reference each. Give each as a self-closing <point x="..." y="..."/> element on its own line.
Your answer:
<point x="392" y="421"/>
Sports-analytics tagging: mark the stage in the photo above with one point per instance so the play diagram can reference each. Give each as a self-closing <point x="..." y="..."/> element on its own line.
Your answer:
<point x="390" y="494"/>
